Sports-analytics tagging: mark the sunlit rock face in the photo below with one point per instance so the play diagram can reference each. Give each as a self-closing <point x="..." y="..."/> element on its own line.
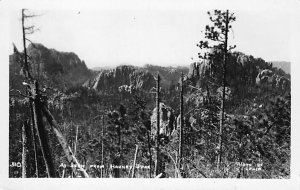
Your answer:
<point x="268" y="78"/>
<point x="167" y="121"/>
<point x="110" y="81"/>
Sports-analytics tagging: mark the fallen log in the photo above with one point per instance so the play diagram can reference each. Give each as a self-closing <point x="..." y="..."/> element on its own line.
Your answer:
<point x="62" y="141"/>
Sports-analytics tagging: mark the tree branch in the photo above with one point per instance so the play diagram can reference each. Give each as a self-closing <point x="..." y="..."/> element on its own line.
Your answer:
<point x="231" y="48"/>
<point x="19" y="93"/>
<point x="29" y="41"/>
<point x="175" y="164"/>
<point x="29" y="28"/>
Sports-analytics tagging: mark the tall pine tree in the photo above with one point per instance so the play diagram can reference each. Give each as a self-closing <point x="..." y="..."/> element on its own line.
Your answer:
<point x="216" y="40"/>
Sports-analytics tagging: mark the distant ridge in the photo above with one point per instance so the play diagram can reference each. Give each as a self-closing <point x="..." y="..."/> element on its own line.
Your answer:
<point x="102" y="68"/>
<point x="284" y="65"/>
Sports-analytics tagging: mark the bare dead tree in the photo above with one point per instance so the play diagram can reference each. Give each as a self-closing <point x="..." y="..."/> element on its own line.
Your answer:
<point x="36" y="100"/>
<point x="34" y="150"/>
<point x="33" y="135"/>
<point x="102" y="146"/>
<point x="40" y="128"/>
<point x="63" y="142"/>
<point x="181" y="124"/>
<point x="39" y="109"/>
<point x="158" y="163"/>
<point x="25" y="66"/>
<point x="147" y="123"/>
<point x="134" y="161"/>
<point x="149" y="149"/>
<point x="25" y="143"/>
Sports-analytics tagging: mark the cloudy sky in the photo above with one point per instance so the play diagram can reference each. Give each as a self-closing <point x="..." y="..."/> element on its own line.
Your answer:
<point x="110" y="37"/>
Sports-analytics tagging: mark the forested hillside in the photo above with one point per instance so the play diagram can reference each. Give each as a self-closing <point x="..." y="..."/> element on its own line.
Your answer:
<point x="142" y="122"/>
<point x="60" y="69"/>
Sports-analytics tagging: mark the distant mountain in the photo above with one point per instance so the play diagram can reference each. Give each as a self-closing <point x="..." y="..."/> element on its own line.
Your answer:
<point x="169" y="75"/>
<point x="65" y="70"/>
<point x="102" y="68"/>
<point x="60" y="69"/>
<point x="138" y="77"/>
<point x="242" y="73"/>
<point x="284" y="65"/>
<point x="109" y="81"/>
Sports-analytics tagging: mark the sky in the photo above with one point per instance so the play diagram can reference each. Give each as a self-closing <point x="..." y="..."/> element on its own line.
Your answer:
<point x="161" y="37"/>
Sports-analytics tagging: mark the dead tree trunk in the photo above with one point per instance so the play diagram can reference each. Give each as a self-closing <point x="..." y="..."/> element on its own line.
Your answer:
<point x="25" y="66"/>
<point x="120" y="149"/>
<point x="76" y="139"/>
<point x="25" y="69"/>
<point x="158" y="163"/>
<point x="68" y="152"/>
<point x="36" y="104"/>
<point x="33" y="133"/>
<point x="34" y="149"/>
<point x="117" y="160"/>
<point x="39" y="126"/>
<point x="24" y="151"/>
<point x="222" y="115"/>
<point x="181" y="125"/>
<point x="25" y="143"/>
<point x="102" y="146"/>
<point x="208" y="94"/>
<point x="149" y="149"/>
<point x="134" y="161"/>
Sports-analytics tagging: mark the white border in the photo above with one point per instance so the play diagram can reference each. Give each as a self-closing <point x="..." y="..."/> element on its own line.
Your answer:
<point x="273" y="5"/>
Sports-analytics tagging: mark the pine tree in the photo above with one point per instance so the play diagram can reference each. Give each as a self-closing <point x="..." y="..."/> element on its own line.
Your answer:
<point x="217" y="40"/>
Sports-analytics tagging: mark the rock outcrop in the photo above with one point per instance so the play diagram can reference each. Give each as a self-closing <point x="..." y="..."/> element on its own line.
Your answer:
<point x="167" y="121"/>
<point x="110" y="81"/>
<point x="58" y="68"/>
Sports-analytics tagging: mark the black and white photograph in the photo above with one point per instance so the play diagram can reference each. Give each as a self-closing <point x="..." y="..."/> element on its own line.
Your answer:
<point x="150" y="92"/>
